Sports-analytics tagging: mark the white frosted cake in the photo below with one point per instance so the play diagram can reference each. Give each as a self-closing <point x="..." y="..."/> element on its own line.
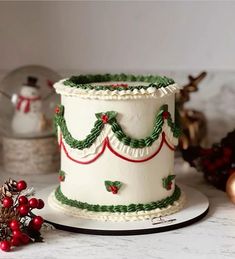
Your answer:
<point x="117" y="135"/>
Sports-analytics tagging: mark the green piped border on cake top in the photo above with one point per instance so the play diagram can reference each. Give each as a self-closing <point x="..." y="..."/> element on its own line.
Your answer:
<point x="117" y="130"/>
<point x="84" y="81"/>
<point x="119" y="208"/>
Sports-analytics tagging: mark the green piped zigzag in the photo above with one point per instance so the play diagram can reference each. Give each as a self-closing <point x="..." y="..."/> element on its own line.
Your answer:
<point x="84" y="81"/>
<point x="116" y="128"/>
<point x="119" y="208"/>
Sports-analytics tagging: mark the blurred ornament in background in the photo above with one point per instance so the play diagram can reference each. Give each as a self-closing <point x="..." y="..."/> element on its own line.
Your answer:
<point x="27" y="101"/>
<point x="27" y="94"/>
<point x="230" y="186"/>
<point x="193" y="122"/>
<point x="28" y="116"/>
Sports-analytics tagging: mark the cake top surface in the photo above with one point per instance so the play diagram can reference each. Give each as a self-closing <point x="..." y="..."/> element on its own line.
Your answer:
<point x="116" y="86"/>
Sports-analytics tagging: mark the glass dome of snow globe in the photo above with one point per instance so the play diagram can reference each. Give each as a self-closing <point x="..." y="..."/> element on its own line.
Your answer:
<point x="27" y="102"/>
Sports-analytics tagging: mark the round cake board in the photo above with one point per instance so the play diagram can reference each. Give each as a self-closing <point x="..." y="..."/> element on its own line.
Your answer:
<point x="196" y="207"/>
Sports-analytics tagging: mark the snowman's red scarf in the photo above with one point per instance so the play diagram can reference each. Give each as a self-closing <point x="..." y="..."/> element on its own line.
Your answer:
<point x="28" y="101"/>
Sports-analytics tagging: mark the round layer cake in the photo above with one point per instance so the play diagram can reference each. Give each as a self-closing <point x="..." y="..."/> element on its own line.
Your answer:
<point x="117" y="135"/>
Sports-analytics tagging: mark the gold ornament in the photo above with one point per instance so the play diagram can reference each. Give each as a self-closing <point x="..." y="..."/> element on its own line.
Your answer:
<point x="230" y="187"/>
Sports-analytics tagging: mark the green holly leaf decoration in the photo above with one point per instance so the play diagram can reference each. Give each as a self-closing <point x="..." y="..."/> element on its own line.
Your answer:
<point x="167" y="182"/>
<point x="106" y="117"/>
<point x="61" y="176"/>
<point x="113" y="186"/>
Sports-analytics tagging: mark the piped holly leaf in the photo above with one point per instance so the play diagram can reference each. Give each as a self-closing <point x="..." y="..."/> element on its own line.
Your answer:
<point x="61" y="176"/>
<point x="113" y="186"/>
<point x="106" y="116"/>
<point x="167" y="182"/>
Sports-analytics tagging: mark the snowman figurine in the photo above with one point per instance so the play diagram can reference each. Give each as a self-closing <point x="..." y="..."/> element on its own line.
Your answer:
<point x="28" y="116"/>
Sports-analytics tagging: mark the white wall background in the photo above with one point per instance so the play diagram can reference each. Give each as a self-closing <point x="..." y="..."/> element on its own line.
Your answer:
<point x="118" y="36"/>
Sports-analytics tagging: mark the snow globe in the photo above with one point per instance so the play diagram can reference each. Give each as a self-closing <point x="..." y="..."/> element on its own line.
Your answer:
<point x="27" y="102"/>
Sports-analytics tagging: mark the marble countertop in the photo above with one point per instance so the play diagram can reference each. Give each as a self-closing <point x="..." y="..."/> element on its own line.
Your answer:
<point x="212" y="237"/>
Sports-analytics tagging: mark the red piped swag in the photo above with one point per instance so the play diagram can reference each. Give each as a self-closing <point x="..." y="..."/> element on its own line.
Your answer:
<point x="106" y="143"/>
<point x="28" y="101"/>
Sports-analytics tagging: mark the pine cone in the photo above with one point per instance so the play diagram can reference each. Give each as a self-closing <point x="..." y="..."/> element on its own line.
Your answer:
<point x="9" y="188"/>
<point x="8" y="214"/>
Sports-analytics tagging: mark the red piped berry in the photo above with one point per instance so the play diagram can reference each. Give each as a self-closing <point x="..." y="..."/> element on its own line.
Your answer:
<point x="105" y="118"/>
<point x="33" y="203"/>
<point x="7" y="202"/>
<point x="40" y="204"/>
<point x="57" y="110"/>
<point x="23" y="209"/>
<point x="169" y="186"/>
<point x="14" y="224"/>
<point x="61" y="178"/>
<point x="5" y="246"/>
<point x="113" y="189"/>
<point x="23" y="200"/>
<point x="165" y="115"/>
<point x="21" y="185"/>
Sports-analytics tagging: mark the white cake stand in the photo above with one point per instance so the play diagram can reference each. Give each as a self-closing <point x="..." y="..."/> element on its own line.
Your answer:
<point x="196" y="207"/>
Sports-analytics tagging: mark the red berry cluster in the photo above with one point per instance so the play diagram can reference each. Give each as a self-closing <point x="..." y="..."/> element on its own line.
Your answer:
<point x="20" y="232"/>
<point x="217" y="162"/>
<point x="220" y="159"/>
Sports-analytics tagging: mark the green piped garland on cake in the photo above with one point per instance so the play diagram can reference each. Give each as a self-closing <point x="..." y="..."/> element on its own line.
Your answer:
<point x="119" y="208"/>
<point x="110" y="118"/>
<point x="84" y="81"/>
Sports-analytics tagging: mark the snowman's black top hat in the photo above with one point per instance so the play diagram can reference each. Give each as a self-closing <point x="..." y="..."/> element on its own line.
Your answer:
<point x="32" y="82"/>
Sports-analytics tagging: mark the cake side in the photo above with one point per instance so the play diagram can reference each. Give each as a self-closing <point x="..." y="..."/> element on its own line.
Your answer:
<point x="118" y="153"/>
<point x="140" y="165"/>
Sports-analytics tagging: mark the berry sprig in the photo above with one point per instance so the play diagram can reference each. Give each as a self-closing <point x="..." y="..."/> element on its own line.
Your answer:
<point x="217" y="162"/>
<point x="18" y="224"/>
